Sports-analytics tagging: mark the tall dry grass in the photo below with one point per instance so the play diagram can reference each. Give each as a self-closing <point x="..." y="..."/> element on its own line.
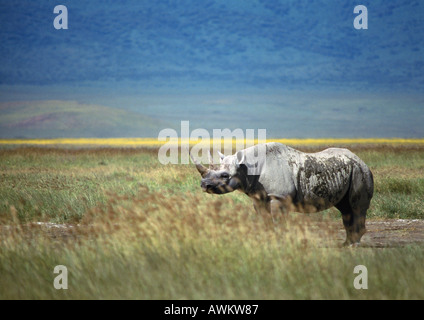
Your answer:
<point x="155" y="247"/>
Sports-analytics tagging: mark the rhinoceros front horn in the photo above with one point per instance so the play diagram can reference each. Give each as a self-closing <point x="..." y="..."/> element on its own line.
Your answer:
<point x="202" y="169"/>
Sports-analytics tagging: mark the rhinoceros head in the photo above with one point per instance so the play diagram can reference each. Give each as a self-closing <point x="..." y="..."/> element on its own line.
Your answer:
<point x="223" y="178"/>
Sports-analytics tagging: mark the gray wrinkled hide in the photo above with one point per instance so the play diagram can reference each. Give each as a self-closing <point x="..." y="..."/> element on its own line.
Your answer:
<point x="333" y="177"/>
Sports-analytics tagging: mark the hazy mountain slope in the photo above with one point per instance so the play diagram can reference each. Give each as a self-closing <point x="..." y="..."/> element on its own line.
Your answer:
<point x="55" y="119"/>
<point x="218" y="43"/>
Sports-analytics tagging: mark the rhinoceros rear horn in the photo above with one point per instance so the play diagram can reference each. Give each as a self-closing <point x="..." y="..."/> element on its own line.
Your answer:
<point x="202" y="169"/>
<point x="211" y="161"/>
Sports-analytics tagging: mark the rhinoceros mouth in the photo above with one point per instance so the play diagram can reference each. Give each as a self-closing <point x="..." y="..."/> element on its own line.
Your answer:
<point x="216" y="189"/>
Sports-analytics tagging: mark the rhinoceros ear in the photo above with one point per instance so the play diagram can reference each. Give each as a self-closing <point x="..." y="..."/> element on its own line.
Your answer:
<point x="221" y="156"/>
<point x="241" y="157"/>
<point x="202" y="170"/>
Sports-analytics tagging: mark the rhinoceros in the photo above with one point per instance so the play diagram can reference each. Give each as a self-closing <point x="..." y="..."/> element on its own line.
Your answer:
<point x="283" y="175"/>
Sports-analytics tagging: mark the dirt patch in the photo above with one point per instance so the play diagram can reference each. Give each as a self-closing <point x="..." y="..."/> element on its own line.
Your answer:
<point x="388" y="233"/>
<point x="394" y="233"/>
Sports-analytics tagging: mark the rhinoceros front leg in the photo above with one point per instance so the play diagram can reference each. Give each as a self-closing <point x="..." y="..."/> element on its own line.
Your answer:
<point x="271" y="206"/>
<point x="260" y="207"/>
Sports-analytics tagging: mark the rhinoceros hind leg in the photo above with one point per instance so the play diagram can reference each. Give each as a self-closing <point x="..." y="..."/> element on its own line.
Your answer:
<point x="353" y="221"/>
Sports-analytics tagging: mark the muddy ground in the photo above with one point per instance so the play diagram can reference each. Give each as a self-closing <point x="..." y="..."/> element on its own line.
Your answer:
<point x="392" y="233"/>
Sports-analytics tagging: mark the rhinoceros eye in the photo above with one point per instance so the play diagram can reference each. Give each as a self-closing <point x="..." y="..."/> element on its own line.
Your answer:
<point x="225" y="175"/>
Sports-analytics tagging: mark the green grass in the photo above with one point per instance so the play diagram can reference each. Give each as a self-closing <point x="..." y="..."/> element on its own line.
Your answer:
<point x="60" y="185"/>
<point x="398" y="182"/>
<point x="209" y="270"/>
<point x="147" y="231"/>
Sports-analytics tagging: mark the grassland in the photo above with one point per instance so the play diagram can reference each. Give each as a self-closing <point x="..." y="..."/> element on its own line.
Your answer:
<point x="133" y="228"/>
